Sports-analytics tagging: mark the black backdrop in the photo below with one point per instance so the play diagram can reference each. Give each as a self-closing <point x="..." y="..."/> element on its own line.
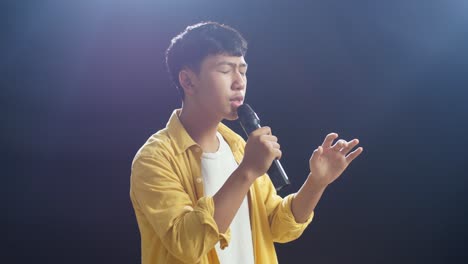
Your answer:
<point x="83" y="86"/>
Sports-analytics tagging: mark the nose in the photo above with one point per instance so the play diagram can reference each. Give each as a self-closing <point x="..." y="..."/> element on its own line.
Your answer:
<point x="240" y="81"/>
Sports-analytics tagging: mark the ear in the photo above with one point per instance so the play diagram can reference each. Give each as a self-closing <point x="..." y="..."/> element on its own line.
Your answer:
<point x="187" y="80"/>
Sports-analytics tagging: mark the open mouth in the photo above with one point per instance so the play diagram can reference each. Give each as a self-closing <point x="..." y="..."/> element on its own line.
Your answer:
<point x="236" y="103"/>
<point x="238" y="99"/>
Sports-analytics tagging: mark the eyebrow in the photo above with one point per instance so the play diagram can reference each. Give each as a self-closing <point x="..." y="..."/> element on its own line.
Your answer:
<point x="231" y="64"/>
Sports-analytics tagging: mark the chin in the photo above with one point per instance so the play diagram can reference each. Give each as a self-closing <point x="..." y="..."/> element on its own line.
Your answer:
<point x="232" y="116"/>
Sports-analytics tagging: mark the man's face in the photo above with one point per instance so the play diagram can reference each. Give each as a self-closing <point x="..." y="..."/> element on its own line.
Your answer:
<point x="221" y="85"/>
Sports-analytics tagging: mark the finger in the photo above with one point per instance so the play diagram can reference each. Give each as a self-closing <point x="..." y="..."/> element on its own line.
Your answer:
<point x="262" y="131"/>
<point x="339" y="145"/>
<point x="278" y="154"/>
<point x="266" y="130"/>
<point x="329" y="139"/>
<point x="351" y="145"/>
<point x="275" y="145"/>
<point x="269" y="138"/>
<point x="354" y="154"/>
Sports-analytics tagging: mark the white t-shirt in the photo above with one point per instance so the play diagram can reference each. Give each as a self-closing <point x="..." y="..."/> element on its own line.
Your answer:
<point x="216" y="169"/>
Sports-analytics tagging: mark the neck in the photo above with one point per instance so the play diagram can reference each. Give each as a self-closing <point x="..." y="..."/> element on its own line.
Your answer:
<point x="201" y="128"/>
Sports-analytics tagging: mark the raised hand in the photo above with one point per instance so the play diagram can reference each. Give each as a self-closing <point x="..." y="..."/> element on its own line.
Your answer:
<point x="329" y="161"/>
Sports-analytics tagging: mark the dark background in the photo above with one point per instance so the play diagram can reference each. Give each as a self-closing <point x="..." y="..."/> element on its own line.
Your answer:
<point x="83" y="85"/>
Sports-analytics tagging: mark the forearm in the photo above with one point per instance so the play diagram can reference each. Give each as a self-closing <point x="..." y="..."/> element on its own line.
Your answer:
<point x="229" y="198"/>
<point x="306" y="199"/>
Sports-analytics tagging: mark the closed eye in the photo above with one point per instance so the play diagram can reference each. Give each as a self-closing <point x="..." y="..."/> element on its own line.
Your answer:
<point x="228" y="71"/>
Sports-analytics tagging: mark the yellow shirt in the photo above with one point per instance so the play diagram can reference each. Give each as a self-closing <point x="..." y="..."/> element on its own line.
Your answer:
<point x="174" y="216"/>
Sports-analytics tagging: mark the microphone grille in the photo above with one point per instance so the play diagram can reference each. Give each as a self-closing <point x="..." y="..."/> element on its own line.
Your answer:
<point x="247" y="115"/>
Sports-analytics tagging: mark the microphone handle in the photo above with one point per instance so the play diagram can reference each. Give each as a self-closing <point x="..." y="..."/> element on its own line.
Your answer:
<point x="278" y="175"/>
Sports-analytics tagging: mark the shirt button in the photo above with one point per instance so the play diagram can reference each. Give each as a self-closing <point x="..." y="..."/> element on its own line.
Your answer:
<point x="199" y="180"/>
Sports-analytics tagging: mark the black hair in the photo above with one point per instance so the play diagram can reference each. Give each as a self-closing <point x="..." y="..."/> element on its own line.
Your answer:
<point x="196" y="42"/>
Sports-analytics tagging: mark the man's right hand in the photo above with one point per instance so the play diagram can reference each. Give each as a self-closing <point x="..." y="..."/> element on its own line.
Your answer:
<point x="260" y="151"/>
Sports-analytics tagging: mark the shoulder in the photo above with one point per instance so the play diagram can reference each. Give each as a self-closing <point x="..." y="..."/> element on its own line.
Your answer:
<point x="157" y="146"/>
<point x="154" y="162"/>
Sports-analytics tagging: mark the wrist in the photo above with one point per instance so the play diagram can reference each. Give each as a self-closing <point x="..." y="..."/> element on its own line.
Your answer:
<point x="246" y="173"/>
<point x="313" y="185"/>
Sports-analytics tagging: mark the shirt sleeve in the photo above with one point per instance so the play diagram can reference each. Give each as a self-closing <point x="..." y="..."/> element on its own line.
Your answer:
<point x="283" y="225"/>
<point x="188" y="231"/>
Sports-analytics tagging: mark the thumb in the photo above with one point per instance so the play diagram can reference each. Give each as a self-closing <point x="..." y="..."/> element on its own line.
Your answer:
<point x="316" y="154"/>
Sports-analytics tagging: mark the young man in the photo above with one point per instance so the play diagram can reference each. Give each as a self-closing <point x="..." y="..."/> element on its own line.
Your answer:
<point x="199" y="191"/>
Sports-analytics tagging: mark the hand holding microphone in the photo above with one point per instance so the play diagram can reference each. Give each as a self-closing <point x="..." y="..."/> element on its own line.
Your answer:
<point x="260" y="151"/>
<point x="262" y="148"/>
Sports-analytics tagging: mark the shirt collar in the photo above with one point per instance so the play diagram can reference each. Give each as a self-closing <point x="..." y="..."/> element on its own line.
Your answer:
<point x="182" y="140"/>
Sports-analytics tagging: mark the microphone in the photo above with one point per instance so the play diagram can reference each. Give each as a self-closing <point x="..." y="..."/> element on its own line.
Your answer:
<point x="249" y="121"/>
